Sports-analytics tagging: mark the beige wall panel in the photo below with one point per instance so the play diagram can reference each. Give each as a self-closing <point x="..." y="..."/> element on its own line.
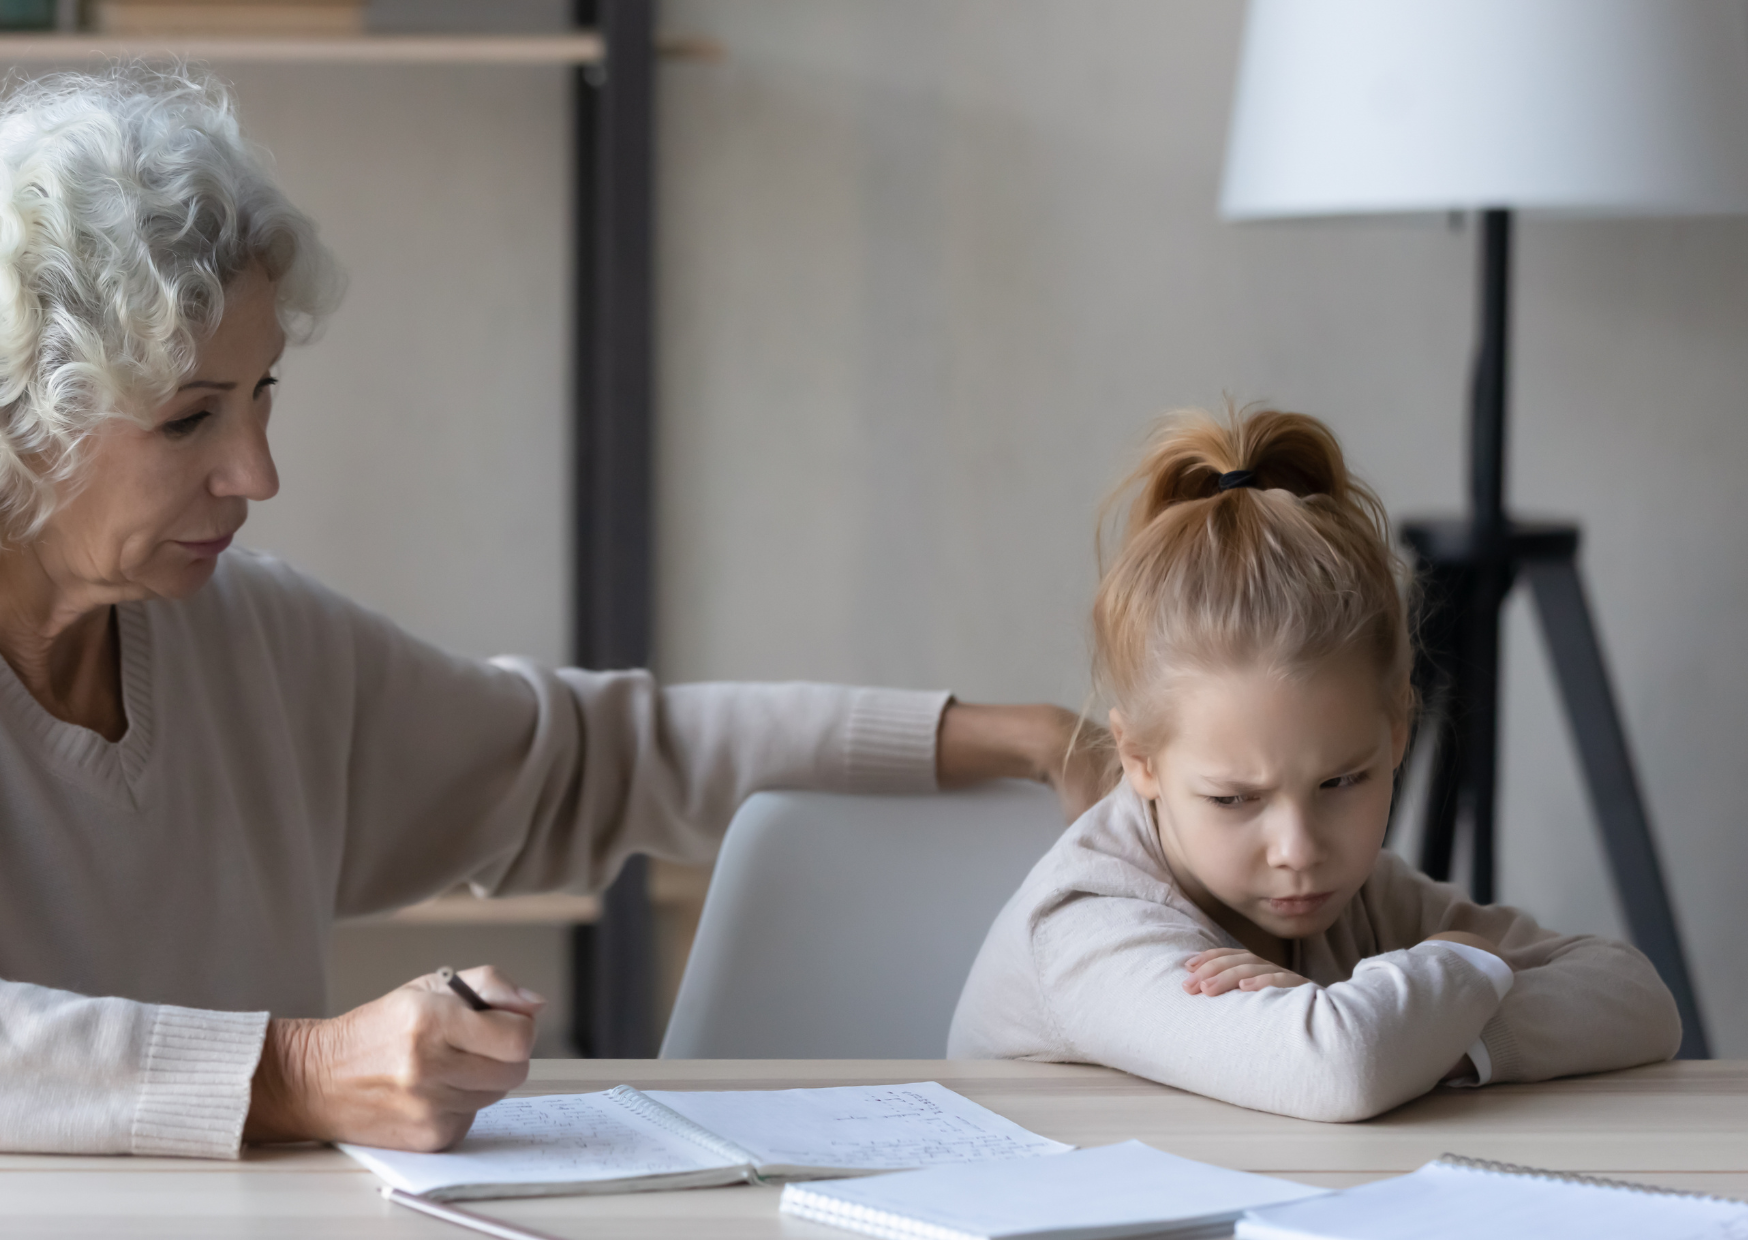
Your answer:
<point x="422" y="442"/>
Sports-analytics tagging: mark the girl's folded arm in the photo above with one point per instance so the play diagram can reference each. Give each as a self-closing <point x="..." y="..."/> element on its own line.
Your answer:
<point x="1588" y="1005"/>
<point x="1112" y="975"/>
<point x="1579" y="1003"/>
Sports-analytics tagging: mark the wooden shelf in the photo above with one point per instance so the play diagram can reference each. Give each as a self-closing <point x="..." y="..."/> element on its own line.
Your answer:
<point x="582" y="48"/>
<point x="669" y="885"/>
<point x="463" y="908"/>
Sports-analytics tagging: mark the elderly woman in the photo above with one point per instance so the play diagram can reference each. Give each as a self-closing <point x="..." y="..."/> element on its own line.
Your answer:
<point x="208" y="757"/>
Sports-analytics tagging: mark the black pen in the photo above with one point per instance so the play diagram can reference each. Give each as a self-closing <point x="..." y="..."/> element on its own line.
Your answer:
<point x="448" y="977"/>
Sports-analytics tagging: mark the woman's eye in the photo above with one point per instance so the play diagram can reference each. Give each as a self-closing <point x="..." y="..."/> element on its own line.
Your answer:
<point x="1345" y="781"/>
<point x="270" y="381"/>
<point x="183" y="427"/>
<point x="1231" y="802"/>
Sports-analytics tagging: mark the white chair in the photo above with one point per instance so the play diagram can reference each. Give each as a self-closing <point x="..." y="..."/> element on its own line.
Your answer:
<point x="842" y="927"/>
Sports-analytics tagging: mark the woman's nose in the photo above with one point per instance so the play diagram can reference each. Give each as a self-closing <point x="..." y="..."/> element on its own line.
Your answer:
<point x="247" y="470"/>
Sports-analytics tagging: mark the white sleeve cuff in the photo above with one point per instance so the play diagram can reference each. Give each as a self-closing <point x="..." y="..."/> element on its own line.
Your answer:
<point x="1483" y="1062"/>
<point x="1495" y="969"/>
<point x="1483" y="1068"/>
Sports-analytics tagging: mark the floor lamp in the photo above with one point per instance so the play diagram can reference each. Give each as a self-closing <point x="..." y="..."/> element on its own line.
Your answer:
<point x="1576" y="107"/>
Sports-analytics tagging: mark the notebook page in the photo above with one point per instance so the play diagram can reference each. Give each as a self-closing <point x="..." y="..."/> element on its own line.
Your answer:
<point x="858" y="1127"/>
<point x="1445" y="1202"/>
<point x="1115" y="1190"/>
<point x="557" y="1139"/>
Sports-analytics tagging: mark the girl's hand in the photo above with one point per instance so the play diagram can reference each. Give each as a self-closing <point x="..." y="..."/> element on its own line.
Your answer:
<point x="1231" y="968"/>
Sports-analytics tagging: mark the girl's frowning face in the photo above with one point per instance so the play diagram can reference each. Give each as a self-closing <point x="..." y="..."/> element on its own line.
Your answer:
<point x="1272" y="794"/>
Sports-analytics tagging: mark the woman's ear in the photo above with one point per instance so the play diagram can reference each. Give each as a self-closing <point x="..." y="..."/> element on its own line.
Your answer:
<point x="1137" y="764"/>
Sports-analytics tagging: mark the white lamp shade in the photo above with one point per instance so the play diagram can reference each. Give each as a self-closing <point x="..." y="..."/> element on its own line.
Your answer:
<point x="1631" y="107"/>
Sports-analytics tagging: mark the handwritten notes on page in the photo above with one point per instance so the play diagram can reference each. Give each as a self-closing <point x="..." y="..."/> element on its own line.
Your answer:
<point x="559" y="1143"/>
<point x="857" y="1127"/>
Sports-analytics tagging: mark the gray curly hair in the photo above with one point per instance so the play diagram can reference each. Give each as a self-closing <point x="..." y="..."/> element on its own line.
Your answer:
<point x="129" y="200"/>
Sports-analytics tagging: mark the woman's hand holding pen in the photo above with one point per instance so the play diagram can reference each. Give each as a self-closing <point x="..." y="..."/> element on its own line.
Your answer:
<point x="407" y="1071"/>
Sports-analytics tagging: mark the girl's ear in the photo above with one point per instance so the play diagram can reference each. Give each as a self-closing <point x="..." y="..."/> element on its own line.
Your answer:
<point x="1137" y="765"/>
<point x="1401" y="723"/>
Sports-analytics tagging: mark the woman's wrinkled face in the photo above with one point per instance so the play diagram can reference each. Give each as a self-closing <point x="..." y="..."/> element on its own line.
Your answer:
<point x="1273" y="792"/>
<point x="157" y="503"/>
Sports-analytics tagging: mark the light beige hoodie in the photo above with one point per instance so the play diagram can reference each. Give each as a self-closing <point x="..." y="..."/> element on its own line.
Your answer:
<point x="1085" y="964"/>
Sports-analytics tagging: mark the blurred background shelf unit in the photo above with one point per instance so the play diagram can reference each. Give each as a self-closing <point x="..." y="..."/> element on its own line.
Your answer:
<point x="609" y="46"/>
<point x="235" y="17"/>
<point x="583" y="48"/>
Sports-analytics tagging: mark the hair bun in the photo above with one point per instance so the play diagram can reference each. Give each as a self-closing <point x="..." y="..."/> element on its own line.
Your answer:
<point x="1192" y="452"/>
<point x="1247" y="539"/>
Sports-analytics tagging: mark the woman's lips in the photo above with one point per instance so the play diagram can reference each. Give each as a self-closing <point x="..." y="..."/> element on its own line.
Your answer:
<point x="1300" y="906"/>
<point x="211" y="547"/>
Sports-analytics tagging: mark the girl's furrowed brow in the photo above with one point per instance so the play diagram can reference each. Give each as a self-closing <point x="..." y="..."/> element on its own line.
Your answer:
<point x="1228" y="784"/>
<point x="1358" y="762"/>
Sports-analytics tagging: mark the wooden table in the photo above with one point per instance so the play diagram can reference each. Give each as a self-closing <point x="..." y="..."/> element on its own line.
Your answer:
<point x="1681" y="1125"/>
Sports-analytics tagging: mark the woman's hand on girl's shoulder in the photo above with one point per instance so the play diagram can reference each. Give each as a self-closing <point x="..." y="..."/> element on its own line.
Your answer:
<point x="1043" y="743"/>
<point x="1222" y="969"/>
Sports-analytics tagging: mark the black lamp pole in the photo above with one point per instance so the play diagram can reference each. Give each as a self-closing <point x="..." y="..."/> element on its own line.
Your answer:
<point x="1467" y="568"/>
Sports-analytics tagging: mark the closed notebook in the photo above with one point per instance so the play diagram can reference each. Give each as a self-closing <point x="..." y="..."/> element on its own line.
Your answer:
<point x="629" y="1140"/>
<point x="1098" y="1194"/>
<point x="1467" y="1197"/>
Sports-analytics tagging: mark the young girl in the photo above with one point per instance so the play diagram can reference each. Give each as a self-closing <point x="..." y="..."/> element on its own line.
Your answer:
<point x="1226" y="921"/>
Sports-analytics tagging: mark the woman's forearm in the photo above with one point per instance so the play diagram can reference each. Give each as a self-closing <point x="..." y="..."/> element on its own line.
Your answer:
<point x="110" y="1076"/>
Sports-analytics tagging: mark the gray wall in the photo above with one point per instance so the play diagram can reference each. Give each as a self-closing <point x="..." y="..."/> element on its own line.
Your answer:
<point x="928" y="270"/>
<point x="422" y="442"/>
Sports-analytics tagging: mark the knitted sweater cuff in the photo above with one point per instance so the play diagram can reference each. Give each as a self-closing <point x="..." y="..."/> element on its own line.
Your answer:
<point x="1503" y="1049"/>
<point x="890" y="740"/>
<point x="194" y="1090"/>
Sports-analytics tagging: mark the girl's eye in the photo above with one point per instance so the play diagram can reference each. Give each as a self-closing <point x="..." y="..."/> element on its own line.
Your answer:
<point x="269" y="382"/>
<point x="1232" y="802"/>
<point x="1345" y="781"/>
<point x="181" y="428"/>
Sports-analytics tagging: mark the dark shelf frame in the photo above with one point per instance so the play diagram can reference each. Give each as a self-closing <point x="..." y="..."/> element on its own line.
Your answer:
<point x="613" y="345"/>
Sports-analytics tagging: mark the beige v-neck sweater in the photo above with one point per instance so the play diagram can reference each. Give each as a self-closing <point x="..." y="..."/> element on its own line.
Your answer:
<point x="1085" y="964"/>
<point x="292" y="758"/>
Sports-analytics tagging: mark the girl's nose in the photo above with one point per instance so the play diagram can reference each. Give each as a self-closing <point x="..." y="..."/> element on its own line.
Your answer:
<point x="1292" y="843"/>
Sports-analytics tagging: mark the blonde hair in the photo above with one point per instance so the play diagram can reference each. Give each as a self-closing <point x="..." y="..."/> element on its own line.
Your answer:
<point x="1290" y="570"/>
<point x="129" y="200"/>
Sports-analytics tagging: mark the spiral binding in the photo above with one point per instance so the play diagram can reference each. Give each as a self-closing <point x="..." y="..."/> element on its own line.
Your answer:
<point x="1573" y="1177"/>
<point x="640" y="1103"/>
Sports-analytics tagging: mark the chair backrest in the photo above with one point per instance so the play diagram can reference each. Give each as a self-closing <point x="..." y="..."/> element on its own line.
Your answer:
<point x="842" y="927"/>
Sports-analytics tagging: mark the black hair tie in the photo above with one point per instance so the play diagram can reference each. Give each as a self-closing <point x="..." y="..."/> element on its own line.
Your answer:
<point x="1237" y="478"/>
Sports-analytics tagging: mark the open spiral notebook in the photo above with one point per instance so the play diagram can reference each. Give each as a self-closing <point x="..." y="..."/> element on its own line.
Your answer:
<point x="1455" y="1197"/>
<point x="631" y="1140"/>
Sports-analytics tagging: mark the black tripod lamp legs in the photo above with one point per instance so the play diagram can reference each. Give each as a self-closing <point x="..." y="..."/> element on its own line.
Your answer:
<point x="1614" y="789"/>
